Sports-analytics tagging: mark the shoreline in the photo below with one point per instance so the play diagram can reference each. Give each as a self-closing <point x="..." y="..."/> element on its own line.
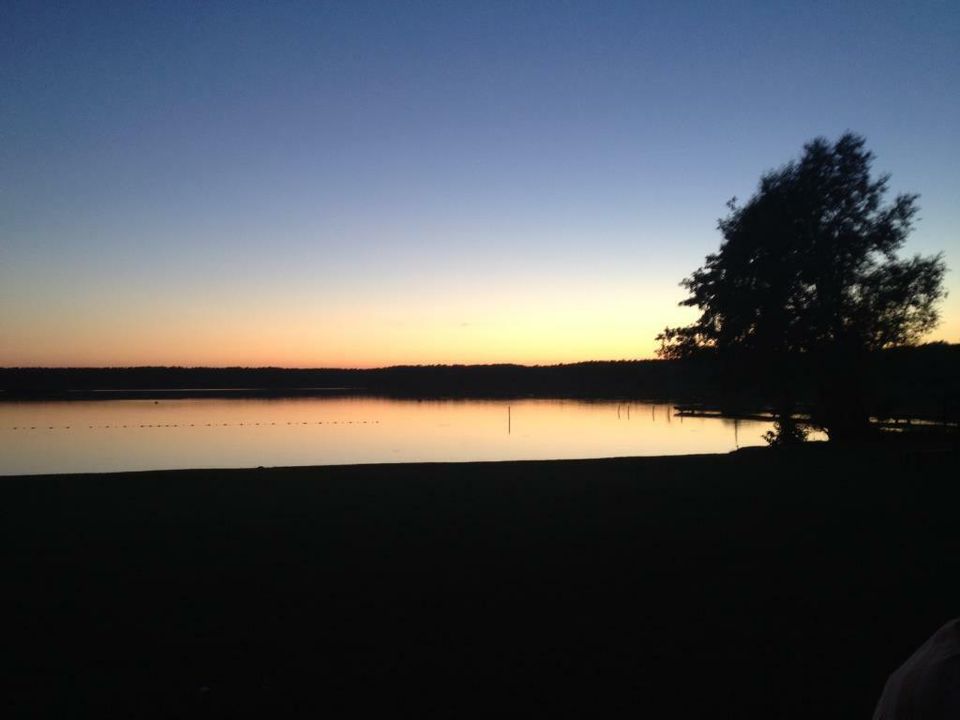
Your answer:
<point x="387" y="467"/>
<point x="921" y="438"/>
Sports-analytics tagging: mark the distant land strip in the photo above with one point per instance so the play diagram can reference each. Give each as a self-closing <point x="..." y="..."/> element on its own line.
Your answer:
<point x="918" y="382"/>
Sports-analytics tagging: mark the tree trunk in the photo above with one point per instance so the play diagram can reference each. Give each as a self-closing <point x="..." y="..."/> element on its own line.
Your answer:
<point x="842" y="403"/>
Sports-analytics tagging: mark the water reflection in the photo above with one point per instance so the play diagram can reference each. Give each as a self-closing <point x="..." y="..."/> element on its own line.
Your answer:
<point x="97" y="436"/>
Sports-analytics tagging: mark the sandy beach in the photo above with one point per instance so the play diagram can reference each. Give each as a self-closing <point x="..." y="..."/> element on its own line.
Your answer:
<point x="757" y="584"/>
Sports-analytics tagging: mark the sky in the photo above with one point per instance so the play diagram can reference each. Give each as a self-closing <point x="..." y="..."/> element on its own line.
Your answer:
<point x="358" y="184"/>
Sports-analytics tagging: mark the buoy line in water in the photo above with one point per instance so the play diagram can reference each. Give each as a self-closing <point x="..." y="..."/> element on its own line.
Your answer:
<point x="147" y="426"/>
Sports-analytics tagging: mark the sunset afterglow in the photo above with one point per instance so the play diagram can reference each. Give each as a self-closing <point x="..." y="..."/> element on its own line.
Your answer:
<point x="368" y="184"/>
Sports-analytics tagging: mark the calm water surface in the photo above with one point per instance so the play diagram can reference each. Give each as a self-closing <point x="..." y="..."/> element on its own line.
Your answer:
<point x="113" y="435"/>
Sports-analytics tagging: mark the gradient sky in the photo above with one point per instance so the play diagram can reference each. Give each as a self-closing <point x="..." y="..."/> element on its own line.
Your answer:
<point x="360" y="184"/>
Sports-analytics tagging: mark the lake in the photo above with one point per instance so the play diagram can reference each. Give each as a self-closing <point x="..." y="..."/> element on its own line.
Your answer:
<point x="117" y="435"/>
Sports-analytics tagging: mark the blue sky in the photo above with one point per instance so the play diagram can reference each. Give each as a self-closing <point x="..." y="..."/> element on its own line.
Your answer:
<point x="351" y="183"/>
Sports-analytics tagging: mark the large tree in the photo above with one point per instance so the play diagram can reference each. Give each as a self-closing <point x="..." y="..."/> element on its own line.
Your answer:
<point x="807" y="276"/>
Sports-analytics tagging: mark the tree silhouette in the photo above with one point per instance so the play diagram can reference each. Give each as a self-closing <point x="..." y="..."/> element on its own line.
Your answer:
<point x="807" y="279"/>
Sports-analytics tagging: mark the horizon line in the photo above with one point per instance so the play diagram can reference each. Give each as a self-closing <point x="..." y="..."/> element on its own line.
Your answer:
<point x="938" y="343"/>
<point x="316" y="368"/>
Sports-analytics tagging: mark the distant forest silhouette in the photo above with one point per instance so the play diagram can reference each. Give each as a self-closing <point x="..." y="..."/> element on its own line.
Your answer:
<point x="917" y="382"/>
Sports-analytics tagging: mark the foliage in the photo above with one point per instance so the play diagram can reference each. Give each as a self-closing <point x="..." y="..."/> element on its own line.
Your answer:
<point x="786" y="431"/>
<point x="808" y="267"/>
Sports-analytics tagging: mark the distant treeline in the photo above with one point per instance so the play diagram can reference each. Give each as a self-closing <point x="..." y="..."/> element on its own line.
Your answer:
<point x="921" y="381"/>
<point x="645" y="378"/>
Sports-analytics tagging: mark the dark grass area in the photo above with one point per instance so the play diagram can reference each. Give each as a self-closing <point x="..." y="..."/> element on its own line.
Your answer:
<point x="761" y="584"/>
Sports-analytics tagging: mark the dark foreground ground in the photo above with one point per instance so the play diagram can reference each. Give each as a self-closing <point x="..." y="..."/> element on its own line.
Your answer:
<point x="762" y="584"/>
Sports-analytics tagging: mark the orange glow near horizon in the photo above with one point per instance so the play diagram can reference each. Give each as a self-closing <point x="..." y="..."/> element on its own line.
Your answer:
<point x="531" y="330"/>
<point x="532" y="327"/>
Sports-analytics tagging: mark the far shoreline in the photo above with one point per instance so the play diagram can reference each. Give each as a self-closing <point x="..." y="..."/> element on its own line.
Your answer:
<point x="911" y="382"/>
